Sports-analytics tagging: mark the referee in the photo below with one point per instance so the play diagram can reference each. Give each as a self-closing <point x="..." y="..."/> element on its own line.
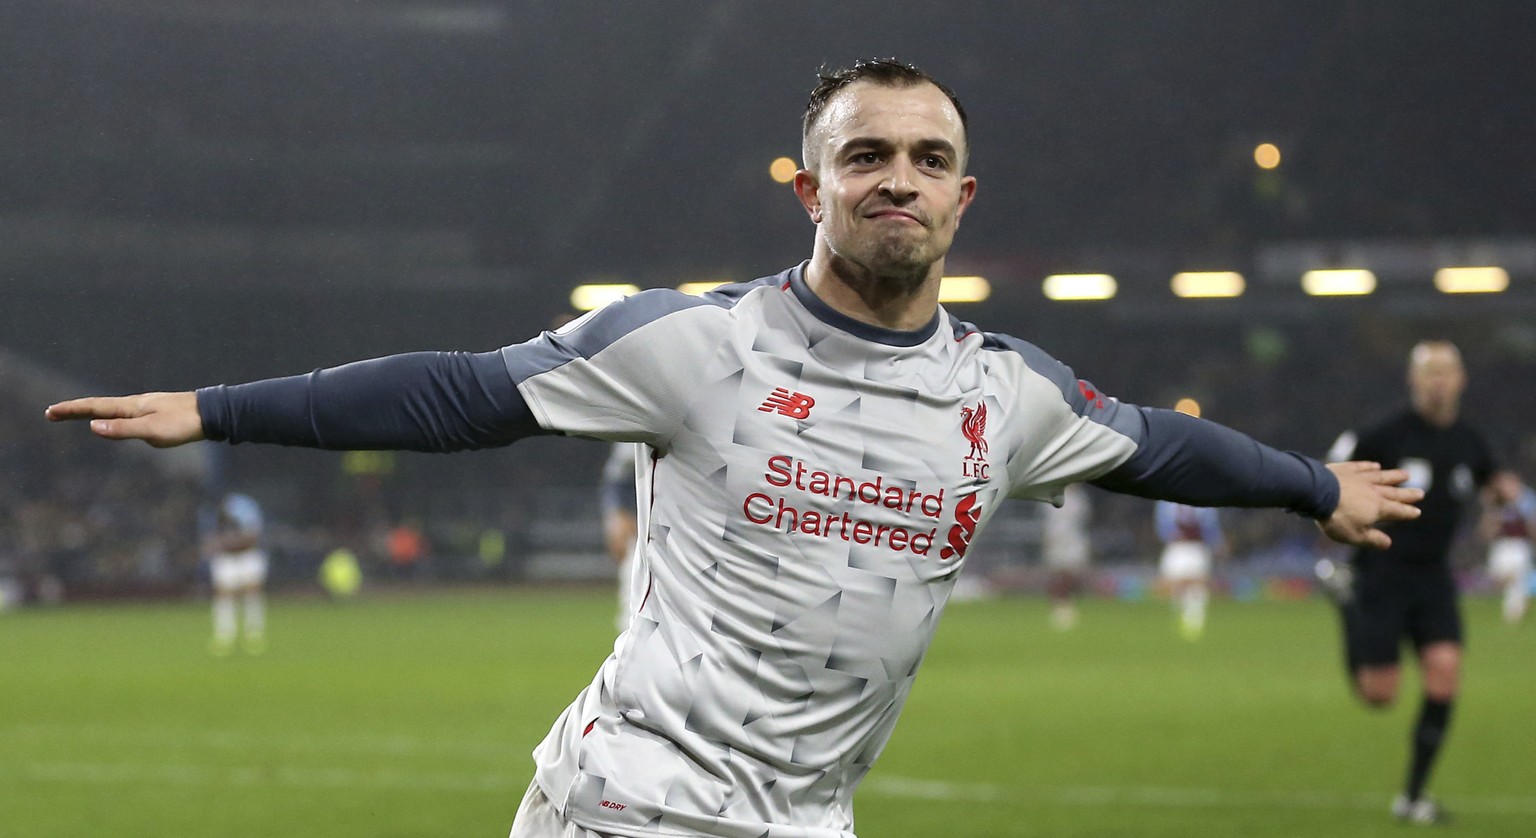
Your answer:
<point x="1407" y="591"/>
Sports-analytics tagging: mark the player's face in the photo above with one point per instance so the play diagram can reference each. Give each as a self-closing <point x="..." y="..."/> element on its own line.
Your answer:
<point x="1436" y="378"/>
<point x="890" y="185"/>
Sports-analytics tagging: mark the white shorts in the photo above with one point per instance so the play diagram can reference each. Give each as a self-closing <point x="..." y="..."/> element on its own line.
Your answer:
<point x="537" y="817"/>
<point x="1509" y="559"/>
<point x="1185" y="561"/>
<point x="235" y="571"/>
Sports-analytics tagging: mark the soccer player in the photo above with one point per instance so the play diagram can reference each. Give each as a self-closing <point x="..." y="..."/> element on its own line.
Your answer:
<point x="1064" y="550"/>
<point x="827" y="443"/>
<point x="1509" y="524"/>
<point x="1407" y="592"/>
<point x="617" y="501"/>
<point x="1191" y="536"/>
<point x="238" y="566"/>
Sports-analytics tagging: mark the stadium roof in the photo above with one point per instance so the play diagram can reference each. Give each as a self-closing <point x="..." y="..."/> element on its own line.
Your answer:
<point x="597" y="138"/>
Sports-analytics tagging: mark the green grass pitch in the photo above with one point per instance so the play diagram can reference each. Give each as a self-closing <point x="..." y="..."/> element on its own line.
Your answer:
<point x="414" y="716"/>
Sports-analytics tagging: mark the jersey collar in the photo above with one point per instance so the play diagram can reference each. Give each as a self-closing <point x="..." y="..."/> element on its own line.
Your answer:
<point x="859" y="329"/>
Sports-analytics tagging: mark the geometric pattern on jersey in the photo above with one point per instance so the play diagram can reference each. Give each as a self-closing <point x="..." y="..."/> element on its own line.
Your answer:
<point x="815" y="486"/>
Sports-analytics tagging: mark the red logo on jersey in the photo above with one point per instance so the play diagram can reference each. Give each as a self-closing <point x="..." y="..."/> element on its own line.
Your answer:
<point x="793" y="405"/>
<point x="973" y="423"/>
<point x="1094" y="398"/>
<point x="967" y="514"/>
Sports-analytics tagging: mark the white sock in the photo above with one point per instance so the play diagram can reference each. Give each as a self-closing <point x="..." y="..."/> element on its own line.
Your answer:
<point x="255" y="614"/>
<point x="224" y="618"/>
<point x="1193" y="606"/>
<point x="1514" y="602"/>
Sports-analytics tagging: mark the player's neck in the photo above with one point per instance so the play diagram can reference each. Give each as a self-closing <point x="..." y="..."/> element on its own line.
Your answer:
<point x="903" y="304"/>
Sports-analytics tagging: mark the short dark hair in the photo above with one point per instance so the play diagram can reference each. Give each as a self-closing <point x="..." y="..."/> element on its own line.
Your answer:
<point x="888" y="72"/>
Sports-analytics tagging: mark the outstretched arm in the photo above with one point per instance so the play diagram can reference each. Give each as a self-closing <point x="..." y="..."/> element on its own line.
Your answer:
<point x="422" y="401"/>
<point x="596" y="377"/>
<point x="1201" y="463"/>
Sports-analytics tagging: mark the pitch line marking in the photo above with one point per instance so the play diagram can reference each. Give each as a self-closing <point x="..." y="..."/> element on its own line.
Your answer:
<point x="1175" y="797"/>
<point x="239" y="776"/>
<point x="105" y="773"/>
<point x="246" y="739"/>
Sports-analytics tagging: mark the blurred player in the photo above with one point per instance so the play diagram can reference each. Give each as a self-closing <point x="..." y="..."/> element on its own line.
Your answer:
<point x="1065" y="551"/>
<point x="1191" y="538"/>
<point x="238" y="566"/>
<point x="827" y="443"/>
<point x="1509" y="524"/>
<point x="1407" y="592"/>
<point x="618" y="502"/>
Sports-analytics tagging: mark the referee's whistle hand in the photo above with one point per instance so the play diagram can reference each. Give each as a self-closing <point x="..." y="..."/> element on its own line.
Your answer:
<point x="1369" y="495"/>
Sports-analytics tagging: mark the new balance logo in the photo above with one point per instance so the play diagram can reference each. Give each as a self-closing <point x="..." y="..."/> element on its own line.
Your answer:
<point x="785" y="403"/>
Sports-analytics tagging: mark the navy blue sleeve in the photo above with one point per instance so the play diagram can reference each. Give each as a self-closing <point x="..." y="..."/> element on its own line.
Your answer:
<point x="420" y="401"/>
<point x="1189" y="460"/>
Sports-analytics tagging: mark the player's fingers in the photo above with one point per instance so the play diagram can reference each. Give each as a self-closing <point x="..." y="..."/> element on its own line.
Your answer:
<point x="122" y="428"/>
<point x="157" y="429"/>
<point x="95" y="407"/>
<point x="1392" y="511"/>
<point x="1378" y="539"/>
<point x="1390" y="477"/>
<point x="1401" y="494"/>
<point x="1361" y="466"/>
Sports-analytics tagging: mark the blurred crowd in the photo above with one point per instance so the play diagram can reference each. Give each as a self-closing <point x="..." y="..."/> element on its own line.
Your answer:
<point x="76" y="517"/>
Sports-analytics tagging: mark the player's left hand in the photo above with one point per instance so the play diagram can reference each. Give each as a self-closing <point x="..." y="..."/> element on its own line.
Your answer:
<point x="1369" y="495"/>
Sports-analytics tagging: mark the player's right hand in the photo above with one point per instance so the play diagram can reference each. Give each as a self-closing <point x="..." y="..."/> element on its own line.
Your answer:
<point x="160" y="419"/>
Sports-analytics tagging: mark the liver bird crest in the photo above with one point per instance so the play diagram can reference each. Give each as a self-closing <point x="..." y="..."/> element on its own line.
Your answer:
<point x="973" y="423"/>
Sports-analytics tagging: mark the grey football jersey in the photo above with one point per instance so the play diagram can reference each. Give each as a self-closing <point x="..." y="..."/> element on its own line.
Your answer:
<point x="815" y="485"/>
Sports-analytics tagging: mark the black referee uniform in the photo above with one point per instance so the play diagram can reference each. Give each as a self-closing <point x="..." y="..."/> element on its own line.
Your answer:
<point x="1407" y="591"/>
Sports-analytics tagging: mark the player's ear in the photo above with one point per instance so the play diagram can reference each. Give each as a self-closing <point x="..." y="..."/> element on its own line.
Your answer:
<point x="967" y="194"/>
<point x="808" y="190"/>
